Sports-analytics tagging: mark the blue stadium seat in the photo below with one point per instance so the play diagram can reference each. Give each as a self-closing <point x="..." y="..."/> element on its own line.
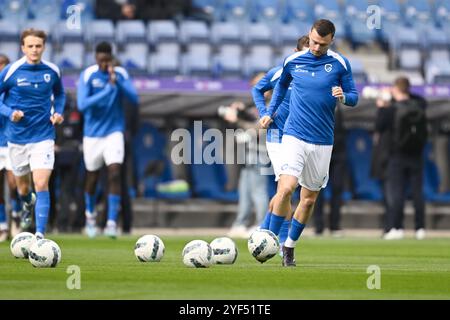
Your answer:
<point x="357" y="8"/>
<point x="297" y="11"/>
<point x="359" y="32"/>
<point x="418" y="12"/>
<point x="71" y="56"/>
<point x="101" y="30"/>
<point x="165" y="61"/>
<point x="11" y="49"/>
<point x="359" y="151"/>
<point x="410" y="59"/>
<point x="45" y="10"/>
<point x="64" y="34"/>
<point x="228" y="61"/>
<point x="359" y="75"/>
<point x="287" y="34"/>
<point x="15" y="11"/>
<point x="130" y="31"/>
<point x="208" y="180"/>
<point x="267" y="11"/>
<point x="442" y="11"/>
<point x="160" y="31"/>
<point x="257" y="33"/>
<point x="235" y="10"/>
<point x="47" y="26"/>
<point x="84" y="7"/>
<point x="391" y="9"/>
<point x="435" y="38"/>
<point x="328" y="9"/>
<point x="197" y="60"/>
<point x="151" y="163"/>
<point x="9" y="31"/>
<point x="437" y="71"/>
<point x="134" y="57"/>
<point x="194" y="31"/>
<point x="259" y="59"/>
<point x="432" y="179"/>
<point x="225" y="32"/>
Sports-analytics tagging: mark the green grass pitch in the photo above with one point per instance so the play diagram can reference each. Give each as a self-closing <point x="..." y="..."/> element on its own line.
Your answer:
<point x="326" y="269"/>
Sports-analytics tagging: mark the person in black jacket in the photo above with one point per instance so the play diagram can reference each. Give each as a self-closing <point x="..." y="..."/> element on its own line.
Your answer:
<point x="407" y="125"/>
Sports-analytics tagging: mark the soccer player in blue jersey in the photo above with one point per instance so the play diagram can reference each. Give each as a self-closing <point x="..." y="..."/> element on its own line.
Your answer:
<point x="33" y="103"/>
<point x="100" y="91"/>
<point x="319" y="77"/>
<point x="5" y="168"/>
<point x="275" y="129"/>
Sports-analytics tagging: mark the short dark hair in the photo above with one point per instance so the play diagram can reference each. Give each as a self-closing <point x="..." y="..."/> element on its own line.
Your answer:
<point x="324" y="27"/>
<point x="103" y="47"/>
<point x="32" y="32"/>
<point x="403" y="84"/>
<point x="302" y="42"/>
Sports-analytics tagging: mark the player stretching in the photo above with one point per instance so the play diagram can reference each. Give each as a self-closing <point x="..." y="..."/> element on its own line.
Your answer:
<point x="29" y="85"/>
<point x="100" y="91"/>
<point x="319" y="77"/>
<point x="275" y="129"/>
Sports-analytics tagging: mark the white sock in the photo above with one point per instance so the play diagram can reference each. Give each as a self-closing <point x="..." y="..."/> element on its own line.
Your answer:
<point x="110" y="223"/>
<point x="289" y="243"/>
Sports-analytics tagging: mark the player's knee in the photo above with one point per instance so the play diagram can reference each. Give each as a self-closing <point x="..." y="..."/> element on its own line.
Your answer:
<point x="41" y="185"/>
<point x="308" y="203"/>
<point x="285" y="191"/>
<point x="114" y="177"/>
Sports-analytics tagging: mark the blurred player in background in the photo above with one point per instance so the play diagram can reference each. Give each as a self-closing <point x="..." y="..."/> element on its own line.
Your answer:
<point x="5" y="169"/>
<point x="319" y="78"/>
<point x="29" y="85"/>
<point x="100" y="91"/>
<point x="275" y="129"/>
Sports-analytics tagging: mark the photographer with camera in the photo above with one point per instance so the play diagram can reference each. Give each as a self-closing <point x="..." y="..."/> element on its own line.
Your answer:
<point x="252" y="187"/>
<point x="402" y="133"/>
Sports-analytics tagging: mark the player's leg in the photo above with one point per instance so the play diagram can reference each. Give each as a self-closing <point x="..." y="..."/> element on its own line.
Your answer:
<point x="42" y="160"/>
<point x="239" y="227"/>
<point x="313" y="178"/>
<point x="41" y="179"/>
<point x="3" y="220"/>
<point x="20" y="163"/>
<point x="418" y="198"/>
<point x="293" y="154"/>
<point x="16" y="204"/>
<point x="93" y="161"/>
<point x="114" y="154"/>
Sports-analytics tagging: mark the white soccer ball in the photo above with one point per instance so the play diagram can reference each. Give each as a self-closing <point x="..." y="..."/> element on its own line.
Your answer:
<point x="197" y="254"/>
<point x="21" y="243"/>
<point x="263" y="245"/>
<point x="149" y="248"/>
<point x="224" y="250"/>
<point x="44" y="253"/>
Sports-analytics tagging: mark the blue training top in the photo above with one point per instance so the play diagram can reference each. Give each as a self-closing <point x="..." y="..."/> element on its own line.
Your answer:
<point x="268" y="82"/>
<point x="101" y="102"/>
<point x="33" y="89"/>
<point x="311" y="108"/>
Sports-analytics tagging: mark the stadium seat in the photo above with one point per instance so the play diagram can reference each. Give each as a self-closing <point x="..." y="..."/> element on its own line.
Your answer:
<point x="359" y="75"/>
<point x="47" y="26"/>
<point x="235" y="10"/>
<point x="134" y="57"/>
<point x="297" y="11"/>
<point x="359" y="151"/>
<point x="437" y="71"/>
<point x="357" y="8"/>
<point x="442" y="11"/>
<point x="197" y="60"/>
<point x="194" y="31"/>
<point x="208" y="180"/>
<point x="257" y="33"/>
<point x="259" y="59"/>
<point x="14" y="11"/>
<point x="162" y="31"/>
<point x="10" y="49"/>
<point x="410" y="59"/>
<point x="8" y="31"/>
<point x="287" y="34"/>
<point x="84" y="7"/>
<point x="130" y="31"/>
<point x="71" y="56"/>
<point x="228" y="61"/>
<point x="101" y="30"/>
<point x="359" y="32"/>
<point x="151" y="164"/>
<point x="165" y="60"/>
<point x="64" y="34"/>
<point x="225" y="32"/>
<point x="391" y="9"/>
<point x="267" y="11"/>
<point x="435" y="38"/>
<point x="418" y="12"/>
<point x="44" y="10"/>
<point x="210" y="7"/>
<point x="328" y="9"/>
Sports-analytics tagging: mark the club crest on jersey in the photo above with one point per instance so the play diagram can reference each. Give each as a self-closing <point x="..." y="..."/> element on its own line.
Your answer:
<point x="328" y="67"/>
<point x="47" y="77"/>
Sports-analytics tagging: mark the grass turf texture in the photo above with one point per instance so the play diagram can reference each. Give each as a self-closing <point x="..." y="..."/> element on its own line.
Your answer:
<point x="326" y="269"/>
